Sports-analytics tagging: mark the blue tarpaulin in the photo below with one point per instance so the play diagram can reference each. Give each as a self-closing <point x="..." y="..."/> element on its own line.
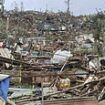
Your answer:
<point x="4" y="86"/>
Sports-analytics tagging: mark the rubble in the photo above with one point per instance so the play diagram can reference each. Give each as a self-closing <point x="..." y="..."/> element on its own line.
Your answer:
<point x="56" y="56"/>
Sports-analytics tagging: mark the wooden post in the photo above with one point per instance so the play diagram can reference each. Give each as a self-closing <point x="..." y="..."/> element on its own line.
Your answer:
<point x="7" y="25"/>
<point x="42" y="92"/>
<point x="20" y="72"/>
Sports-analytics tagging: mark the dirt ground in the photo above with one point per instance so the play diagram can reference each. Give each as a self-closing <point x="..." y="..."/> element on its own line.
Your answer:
<point x="102" y="103"/>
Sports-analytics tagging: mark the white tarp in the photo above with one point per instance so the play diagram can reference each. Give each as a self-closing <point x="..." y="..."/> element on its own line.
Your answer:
<point x="61" y="56"/>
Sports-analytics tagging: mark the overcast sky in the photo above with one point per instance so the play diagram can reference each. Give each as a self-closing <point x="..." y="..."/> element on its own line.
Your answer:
<point x="76" y="6"/>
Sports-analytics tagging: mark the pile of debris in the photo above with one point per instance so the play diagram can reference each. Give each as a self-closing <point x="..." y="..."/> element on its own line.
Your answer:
<point x="56" y="59"/>
<point x="67" y="76"/>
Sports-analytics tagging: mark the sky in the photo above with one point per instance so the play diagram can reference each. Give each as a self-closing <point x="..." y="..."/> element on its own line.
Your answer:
<point x="77" y="7"/>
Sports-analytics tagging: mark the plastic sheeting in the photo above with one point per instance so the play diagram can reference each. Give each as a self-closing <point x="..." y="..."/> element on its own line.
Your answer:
<point x="61" y="57"/>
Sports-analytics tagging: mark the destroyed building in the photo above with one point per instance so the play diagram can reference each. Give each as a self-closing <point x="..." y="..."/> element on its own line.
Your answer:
<point x="53" y="57"/>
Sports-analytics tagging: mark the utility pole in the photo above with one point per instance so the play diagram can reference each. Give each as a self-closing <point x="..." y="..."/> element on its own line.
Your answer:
<point x="22" y="7"/>
<point x="68" y="6"/>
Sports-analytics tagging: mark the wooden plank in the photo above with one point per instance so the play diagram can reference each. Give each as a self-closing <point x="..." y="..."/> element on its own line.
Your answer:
<point x="79" y="101"/>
